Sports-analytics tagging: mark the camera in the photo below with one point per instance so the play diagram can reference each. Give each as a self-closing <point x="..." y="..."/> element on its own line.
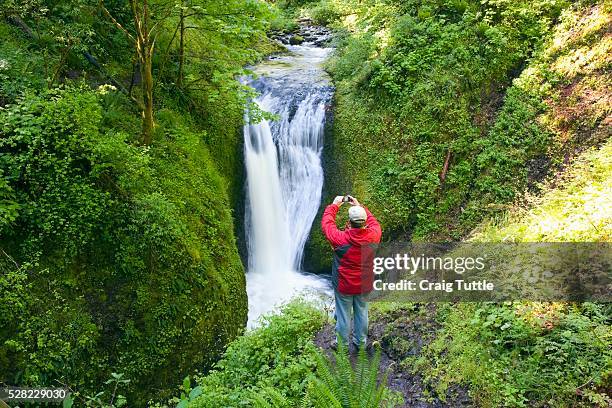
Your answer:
<point x="346" y="199"/>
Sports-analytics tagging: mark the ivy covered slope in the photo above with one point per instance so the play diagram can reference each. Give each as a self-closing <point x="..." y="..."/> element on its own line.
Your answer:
<point x="117" y="247"/>
<point x="445" y="111"/>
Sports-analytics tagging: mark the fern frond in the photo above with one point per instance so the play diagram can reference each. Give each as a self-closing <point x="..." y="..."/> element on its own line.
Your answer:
<point x="259" y="401"/>
<point x="338" y="385"/>
<point x="323" y="396"/>
<point x="345" y="375"/>
<point x="370" y="386"/>
<point x="362" y="373"/>
<point x="381" y="392"/>
<point x="277" y="399"/>
<point x="269" y="398"/>
<point x="325" y="372"/>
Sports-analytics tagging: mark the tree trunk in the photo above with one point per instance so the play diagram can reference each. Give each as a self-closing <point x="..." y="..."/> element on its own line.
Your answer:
<point x="147" y="94"/>
<point x="145" y="46"/>
<point x="179" y="80"/>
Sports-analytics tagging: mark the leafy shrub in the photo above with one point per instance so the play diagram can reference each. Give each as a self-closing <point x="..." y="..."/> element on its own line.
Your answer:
<point x="523" y="354"/>
<point x="324" y="13"/>
<point x="280" y="354"/>
<point x="47" y="153"/>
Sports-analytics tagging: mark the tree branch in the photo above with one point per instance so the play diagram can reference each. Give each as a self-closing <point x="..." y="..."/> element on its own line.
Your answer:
<point x="168" y="13"/>
<point x="445" y="168"/>
<point x="117" y="24"/>
<point x="90" y="58"/>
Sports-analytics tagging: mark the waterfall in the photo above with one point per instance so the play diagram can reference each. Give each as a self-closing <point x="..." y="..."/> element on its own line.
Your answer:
<point x="284" y="176"/>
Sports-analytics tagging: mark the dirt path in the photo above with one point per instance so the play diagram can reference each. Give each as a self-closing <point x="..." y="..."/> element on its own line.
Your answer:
<point x="402" y="334"/>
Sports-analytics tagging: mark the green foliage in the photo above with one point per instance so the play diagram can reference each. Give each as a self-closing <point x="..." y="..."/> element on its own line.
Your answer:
<point x="292" y="4"/>
<point x="9" y="209"/>
<point x="270" y="398"/>
<point x="19" y="69"/>
<point x="499" y="88"/>
<point x="423" y="122"/>
<point x="576" y="210"/>
<point x="99" y="400"/>
<point x="280" y="355"/>
<point x="523" y="354"/>
<point x="62" y="29"/>
<point x="324" y="13"/>
<point x="529" y="353"/>
<point x="124" y="257"/>
<point x="340" y="385"/>
<point x="188" y="394"/>
<point x="277" y="365"/>
<point x="47" y="147"/>
<point x="120" y="258"/>
<point x="429" y="76"/>
<point x="283" y="20"/>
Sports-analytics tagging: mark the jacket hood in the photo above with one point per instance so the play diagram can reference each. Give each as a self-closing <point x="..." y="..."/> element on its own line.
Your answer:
<point x="359" y="236"/>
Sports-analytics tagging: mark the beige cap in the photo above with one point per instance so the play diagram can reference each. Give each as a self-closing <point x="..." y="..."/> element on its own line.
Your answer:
<point x="357" y="214"/>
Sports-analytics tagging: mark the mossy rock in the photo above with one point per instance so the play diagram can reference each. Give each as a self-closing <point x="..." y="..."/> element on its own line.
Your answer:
<point x="296" y="40"/>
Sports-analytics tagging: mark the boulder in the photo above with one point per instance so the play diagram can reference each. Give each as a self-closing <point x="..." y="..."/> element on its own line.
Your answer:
<point x="296" y="40"/>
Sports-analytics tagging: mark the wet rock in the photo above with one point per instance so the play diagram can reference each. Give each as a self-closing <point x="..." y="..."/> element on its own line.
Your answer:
<point x="296" y="40"/>
<point x="305" y="34"/>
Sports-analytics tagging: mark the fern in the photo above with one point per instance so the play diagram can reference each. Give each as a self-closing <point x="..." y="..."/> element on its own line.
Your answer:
<point x="340" y="385"/>
<point x="327" y="377"/>
<point x="337" y="384"/>
<point x="369" y="389"/>
<point x="319" y="394"/>
<point x="270" y="398"/>
<point x="258" y="401"/>
<point x="345" y="375"/>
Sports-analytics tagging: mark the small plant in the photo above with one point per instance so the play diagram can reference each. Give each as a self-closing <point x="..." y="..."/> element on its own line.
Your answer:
<point x="279" y="355"/>
<point x="99" y="400"/>
<point x="340" y="385"/>
<point x="270" y="398"/>
<point x="188" y="394"/>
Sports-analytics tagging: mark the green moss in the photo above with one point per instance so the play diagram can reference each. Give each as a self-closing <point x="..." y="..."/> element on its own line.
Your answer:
<point x="296" y="39"/>
<point x="132" y="250"/>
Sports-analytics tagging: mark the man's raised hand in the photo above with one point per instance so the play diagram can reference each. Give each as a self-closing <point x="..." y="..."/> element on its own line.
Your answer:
<point x="338" y="200"/>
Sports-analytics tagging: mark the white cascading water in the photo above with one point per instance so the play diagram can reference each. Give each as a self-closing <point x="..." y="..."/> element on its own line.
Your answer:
<point x="284" y="176"/>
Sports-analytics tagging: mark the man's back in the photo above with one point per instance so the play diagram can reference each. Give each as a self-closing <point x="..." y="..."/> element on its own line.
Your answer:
<point x="354" y="250"/>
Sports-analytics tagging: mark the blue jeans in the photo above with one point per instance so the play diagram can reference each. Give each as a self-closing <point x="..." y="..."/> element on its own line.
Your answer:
<point x="359" y="307"/>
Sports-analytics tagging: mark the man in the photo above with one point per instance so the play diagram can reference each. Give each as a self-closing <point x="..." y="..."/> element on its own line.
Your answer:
<point x="352" y="271"/>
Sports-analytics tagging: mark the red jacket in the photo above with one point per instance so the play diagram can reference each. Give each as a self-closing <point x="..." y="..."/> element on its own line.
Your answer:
<point x="354" y="250"/>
